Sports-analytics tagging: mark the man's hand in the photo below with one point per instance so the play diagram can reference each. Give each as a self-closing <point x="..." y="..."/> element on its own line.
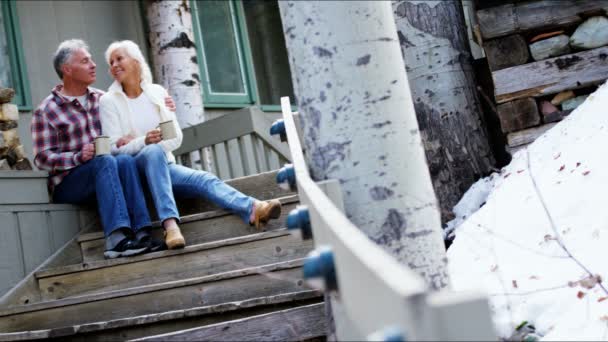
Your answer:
<point x="87" y="153"/>
<point x="154" y="136"/>
<point x="169" y="103"/>
<point x="124" y="140"/>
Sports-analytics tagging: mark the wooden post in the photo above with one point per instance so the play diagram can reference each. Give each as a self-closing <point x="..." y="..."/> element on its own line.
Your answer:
<point x="434" y="44"/>
<point x="360" y="125"/>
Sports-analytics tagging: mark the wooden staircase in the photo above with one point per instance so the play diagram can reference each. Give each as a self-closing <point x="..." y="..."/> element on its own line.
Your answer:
<point x="231" y="282"/>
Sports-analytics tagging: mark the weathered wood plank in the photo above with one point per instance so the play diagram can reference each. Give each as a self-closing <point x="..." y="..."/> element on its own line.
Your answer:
<point x="236" y="162"/>
<point x="527" y="135"/>
<point x="506" y="52"/>
<point x="164" y="322"/>
<point x="215" y="131"/>
<point x="12" y="267"/>
<point x="260" y="154"/>
<point x="269" y="280"/>
<point x="192" y="261"/>
<point x="35" y="250"/>
<point x="514" y="18"/>
<point x="518" y="114"/>
<point x="551" y="75"/>
<point x="27" y="188"/>
<point x="286" y="325"/>
<point x="248" y="154"/>
<point x="222" y="162"/>
<point x="273" y="158"/>
<point x="64" y="225"/>
<point x="197" y="229"/>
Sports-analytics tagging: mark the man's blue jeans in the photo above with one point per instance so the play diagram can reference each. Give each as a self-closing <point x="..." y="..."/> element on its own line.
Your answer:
<point x="165" y="180"/>
<point x="115" y="182"/>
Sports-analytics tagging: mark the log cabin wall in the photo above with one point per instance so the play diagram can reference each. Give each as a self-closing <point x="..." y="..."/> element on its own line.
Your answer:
<point x="544" y="58"/>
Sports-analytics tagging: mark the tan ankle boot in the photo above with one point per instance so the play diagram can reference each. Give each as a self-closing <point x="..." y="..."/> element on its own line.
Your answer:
<point x="264" y="211"/>
<point x="174" y="238"/>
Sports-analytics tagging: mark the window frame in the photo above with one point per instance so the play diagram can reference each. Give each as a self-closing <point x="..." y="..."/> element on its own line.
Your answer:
<point x="16" y="58"/>
<point x="224" y="100"/>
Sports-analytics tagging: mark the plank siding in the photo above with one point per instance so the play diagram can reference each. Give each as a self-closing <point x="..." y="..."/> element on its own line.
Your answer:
<point x="29" y="234"/>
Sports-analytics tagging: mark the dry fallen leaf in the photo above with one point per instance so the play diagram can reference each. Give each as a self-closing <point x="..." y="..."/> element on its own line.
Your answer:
<point x="520" y="171"/>
<point x="494" y="268"/>
<point x="561" y="168"/>
<point x="515" y="283"/>
<point x="580" y="294"/>
<point x="586" y="173"/>
<point x="602" y="299"/>
<point x="578" y="164"/>
<point x="557" y="156"/>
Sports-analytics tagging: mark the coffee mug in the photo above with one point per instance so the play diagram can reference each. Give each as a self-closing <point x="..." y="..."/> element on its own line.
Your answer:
<point x="168" y="130"/>
<point x="102" y="145"/>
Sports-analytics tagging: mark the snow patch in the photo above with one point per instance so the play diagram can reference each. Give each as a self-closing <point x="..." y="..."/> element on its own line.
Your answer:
<point x="541" y="238"/>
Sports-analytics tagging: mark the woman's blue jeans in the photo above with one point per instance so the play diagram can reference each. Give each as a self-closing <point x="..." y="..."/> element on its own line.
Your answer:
<point x="115" y="182"/>
<point x="165" y="180"/>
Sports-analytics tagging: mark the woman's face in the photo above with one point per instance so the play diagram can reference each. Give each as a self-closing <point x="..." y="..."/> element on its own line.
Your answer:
<point x="123" y="67"/>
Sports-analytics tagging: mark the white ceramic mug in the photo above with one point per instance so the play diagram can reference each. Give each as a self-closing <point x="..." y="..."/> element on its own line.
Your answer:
<point x="168" y="130"/>
<point x="102" y="145"/>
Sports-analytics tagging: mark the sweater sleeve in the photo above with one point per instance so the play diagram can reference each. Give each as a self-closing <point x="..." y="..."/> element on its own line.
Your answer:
<point x="171" y="144"/>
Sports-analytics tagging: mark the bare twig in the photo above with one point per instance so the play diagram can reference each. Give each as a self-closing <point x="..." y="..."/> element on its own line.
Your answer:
<point x="558" y="236"/>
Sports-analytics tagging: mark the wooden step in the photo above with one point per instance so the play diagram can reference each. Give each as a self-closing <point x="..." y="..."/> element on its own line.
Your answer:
<point x="297" y="324"/>
<point x="197" y="228"/>
<point x="262" y="186"/>
<point x="192" y="261"/>
<point x="164" y="322"/>
<point x="239" y="285"/>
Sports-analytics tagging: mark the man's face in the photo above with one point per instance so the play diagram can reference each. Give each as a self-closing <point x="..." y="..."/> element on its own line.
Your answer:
<point x="80" y="67"/>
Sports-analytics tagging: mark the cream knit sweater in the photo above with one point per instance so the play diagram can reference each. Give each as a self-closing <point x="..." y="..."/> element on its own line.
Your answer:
<point x="115" y="116"/>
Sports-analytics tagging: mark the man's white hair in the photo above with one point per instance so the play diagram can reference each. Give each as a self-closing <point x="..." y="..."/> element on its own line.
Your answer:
<point x="133" y="51"/>
<point x="65" y="51"/>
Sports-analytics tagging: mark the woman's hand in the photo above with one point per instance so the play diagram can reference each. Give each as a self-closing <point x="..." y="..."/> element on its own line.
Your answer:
<point x="124" y="140"/>
<point x="154" y="136"/>
<point x="169" y="103"/>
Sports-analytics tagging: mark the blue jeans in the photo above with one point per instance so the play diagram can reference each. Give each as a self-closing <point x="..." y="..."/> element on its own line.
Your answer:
<point x="114" y="181"/>
<point x="166" y="179"/>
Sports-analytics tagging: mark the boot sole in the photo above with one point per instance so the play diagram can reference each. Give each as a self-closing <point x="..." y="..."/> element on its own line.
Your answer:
<point x="128" y="252"/>
<point x="176" y="244"/>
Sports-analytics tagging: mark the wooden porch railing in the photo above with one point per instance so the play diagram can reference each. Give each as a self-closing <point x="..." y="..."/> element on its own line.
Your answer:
<point x="376" y="296"/>
<point x="238" y="145"/>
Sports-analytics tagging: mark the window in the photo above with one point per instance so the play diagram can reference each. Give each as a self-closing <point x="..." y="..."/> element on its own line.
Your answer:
<point x="241" y="52"/>
<point x="12" y="64"/>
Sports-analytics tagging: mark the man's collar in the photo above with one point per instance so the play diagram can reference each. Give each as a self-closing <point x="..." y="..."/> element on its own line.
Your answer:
<point x="60" y="98"/>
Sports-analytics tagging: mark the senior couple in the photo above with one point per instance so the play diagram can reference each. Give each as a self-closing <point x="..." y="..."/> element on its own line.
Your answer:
<point x="67" y="122"/>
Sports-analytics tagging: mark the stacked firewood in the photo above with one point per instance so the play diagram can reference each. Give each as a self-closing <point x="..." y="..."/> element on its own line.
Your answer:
<point x="12" y="155"/>
<point x="545" y="58"/>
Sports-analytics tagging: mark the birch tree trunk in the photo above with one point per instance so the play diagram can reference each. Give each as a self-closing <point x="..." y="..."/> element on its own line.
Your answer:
<point x="174" y="54"/>
<point x="360" y="125"/>
<point x="433" y="40"/>
<point x="175" y="62"/>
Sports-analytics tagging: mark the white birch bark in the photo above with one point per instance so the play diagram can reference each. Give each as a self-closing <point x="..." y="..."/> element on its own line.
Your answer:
<point x="434" y="43"/>
<point x="175" y="61"/>
<point x="360" y="125"/>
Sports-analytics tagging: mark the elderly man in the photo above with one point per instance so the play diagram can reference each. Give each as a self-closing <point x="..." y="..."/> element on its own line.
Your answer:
<point x="64" y="127"/>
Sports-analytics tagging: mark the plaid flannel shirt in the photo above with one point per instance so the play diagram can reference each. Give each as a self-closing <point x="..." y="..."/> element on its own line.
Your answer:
<point x="60" y="128"/>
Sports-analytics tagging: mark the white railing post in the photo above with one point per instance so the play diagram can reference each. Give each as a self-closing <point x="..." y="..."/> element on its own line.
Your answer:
<point x="371" y="293"/>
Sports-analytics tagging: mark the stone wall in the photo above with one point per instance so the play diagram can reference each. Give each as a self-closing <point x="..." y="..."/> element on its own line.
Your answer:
<point x="12" y="154"/>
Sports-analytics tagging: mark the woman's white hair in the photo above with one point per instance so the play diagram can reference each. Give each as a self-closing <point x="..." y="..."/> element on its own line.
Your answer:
<point x="134" y="52"/>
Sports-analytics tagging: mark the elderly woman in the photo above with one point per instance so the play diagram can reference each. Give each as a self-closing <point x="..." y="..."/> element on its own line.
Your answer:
<point x="130" y="113"/>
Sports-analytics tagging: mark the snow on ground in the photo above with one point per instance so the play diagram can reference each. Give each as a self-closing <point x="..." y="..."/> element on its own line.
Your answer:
<point x="540" y="242"/>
